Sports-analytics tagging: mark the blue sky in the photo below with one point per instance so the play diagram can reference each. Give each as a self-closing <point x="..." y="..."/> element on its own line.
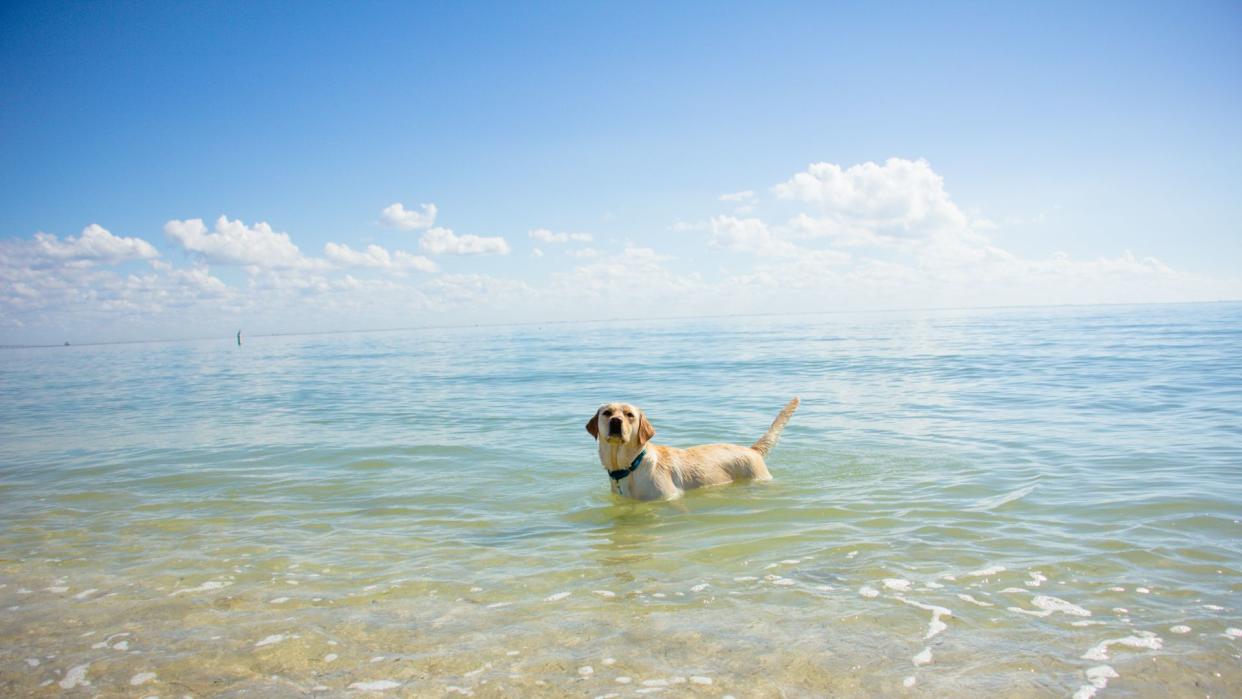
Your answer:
<point x="984" y="154"/>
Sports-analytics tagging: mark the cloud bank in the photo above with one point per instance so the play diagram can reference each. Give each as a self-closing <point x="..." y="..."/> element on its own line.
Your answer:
<point x="376" y="257"/>
<point x="828" y="237"/>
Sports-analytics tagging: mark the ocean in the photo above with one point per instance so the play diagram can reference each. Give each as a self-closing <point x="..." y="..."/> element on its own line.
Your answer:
<point x="1010" y="502"/>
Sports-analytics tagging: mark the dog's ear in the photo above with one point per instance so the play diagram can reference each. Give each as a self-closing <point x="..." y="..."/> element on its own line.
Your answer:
<point x="645" y="430"/>
<point x="593" y="425"/>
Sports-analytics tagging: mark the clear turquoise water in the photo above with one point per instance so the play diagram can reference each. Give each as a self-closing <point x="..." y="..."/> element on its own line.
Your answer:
<point x="424" y="509"/>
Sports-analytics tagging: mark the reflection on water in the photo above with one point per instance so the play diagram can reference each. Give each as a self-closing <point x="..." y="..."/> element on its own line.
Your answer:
<point x="1039" y="502"/>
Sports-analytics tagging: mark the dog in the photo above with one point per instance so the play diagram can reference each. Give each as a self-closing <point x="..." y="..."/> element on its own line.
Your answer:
<point x="649" y="472"/>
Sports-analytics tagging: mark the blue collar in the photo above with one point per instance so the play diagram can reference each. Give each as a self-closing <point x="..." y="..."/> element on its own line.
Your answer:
<point x="621" y="473"/>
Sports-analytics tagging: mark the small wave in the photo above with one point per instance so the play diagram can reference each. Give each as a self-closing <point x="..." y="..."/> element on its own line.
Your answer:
<point x="992" y="503"/>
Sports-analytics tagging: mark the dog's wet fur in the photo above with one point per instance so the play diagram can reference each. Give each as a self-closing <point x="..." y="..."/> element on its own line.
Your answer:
<point x="623" y="432"/>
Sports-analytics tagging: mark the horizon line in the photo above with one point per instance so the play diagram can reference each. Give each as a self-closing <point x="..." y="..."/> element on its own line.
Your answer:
<point x="457" y="326"/>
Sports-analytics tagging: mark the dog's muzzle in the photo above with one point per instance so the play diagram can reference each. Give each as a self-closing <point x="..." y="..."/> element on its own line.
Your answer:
<point x="614" y="427"/>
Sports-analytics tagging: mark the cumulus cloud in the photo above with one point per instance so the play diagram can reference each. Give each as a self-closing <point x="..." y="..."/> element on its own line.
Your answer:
<point x="901" y="198"/>
<point x="95" y="244"/>
<point x="805" y="226"/>
<point x="748" y="235"/>
<point x="235" y="243"/>
<point x="442" y="241"/>
<point x="901" y="206"/>
<point x="874" y="235"/>
<point x="929" y="251"/>
<point x="546" y="236"/>
<point x="50" y="280"/>
<point x="397" y="216"/>
<point x="376" y="257"/>
<point x="71" y="299"/>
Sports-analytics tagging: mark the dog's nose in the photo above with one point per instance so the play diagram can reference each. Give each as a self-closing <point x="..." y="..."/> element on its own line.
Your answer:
<point x="614" y="425"/>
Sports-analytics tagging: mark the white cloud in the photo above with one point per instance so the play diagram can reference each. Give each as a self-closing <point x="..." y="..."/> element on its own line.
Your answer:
<point x="744" y="202"/>
<point x="546" y="236"/>
<point x="745" y="196"/>
<point x="71" y="300"/>
<point x="376" y="257"/>
<point x="748" y="235"/>
<point x="397" y="216"/>
<point x="900" y="206"/>
<point x="909" y="243"/>
<point x="442" y="241"/>
<point x="805" y="226"/>
<point x="901" y="198"/>
<point x="201" y="280"/>
<point x="46" y="280"/>
<point x="235" y="243"/>
<point x="93" y="245"/>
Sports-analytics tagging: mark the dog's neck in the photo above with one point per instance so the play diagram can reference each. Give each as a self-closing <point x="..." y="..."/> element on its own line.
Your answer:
<point x="618" y="455"/>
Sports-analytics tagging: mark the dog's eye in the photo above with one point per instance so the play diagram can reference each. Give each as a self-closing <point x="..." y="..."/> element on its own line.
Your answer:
<point x="607" y="413"/>
<point x="629" y="415"/>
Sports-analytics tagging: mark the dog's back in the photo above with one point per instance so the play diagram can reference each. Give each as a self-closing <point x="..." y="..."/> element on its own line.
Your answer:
<point x="713" y="464"/>
<point x="716" y="464"/>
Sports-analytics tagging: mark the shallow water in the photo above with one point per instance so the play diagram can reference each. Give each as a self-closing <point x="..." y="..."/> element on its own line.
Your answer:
<point x="1014" y="502"/>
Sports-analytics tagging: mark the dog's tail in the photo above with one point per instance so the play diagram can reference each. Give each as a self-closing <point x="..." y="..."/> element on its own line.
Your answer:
<point x="767" y="441"/>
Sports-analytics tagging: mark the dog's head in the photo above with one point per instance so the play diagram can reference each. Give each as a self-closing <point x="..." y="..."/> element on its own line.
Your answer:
<point x="620" y="423"/>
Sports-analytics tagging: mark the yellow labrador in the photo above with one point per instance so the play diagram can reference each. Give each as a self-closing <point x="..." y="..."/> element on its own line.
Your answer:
<point x="650" y="472"/>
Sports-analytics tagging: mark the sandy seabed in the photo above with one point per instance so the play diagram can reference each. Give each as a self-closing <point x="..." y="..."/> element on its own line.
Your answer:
<point x="744" y="637"/>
